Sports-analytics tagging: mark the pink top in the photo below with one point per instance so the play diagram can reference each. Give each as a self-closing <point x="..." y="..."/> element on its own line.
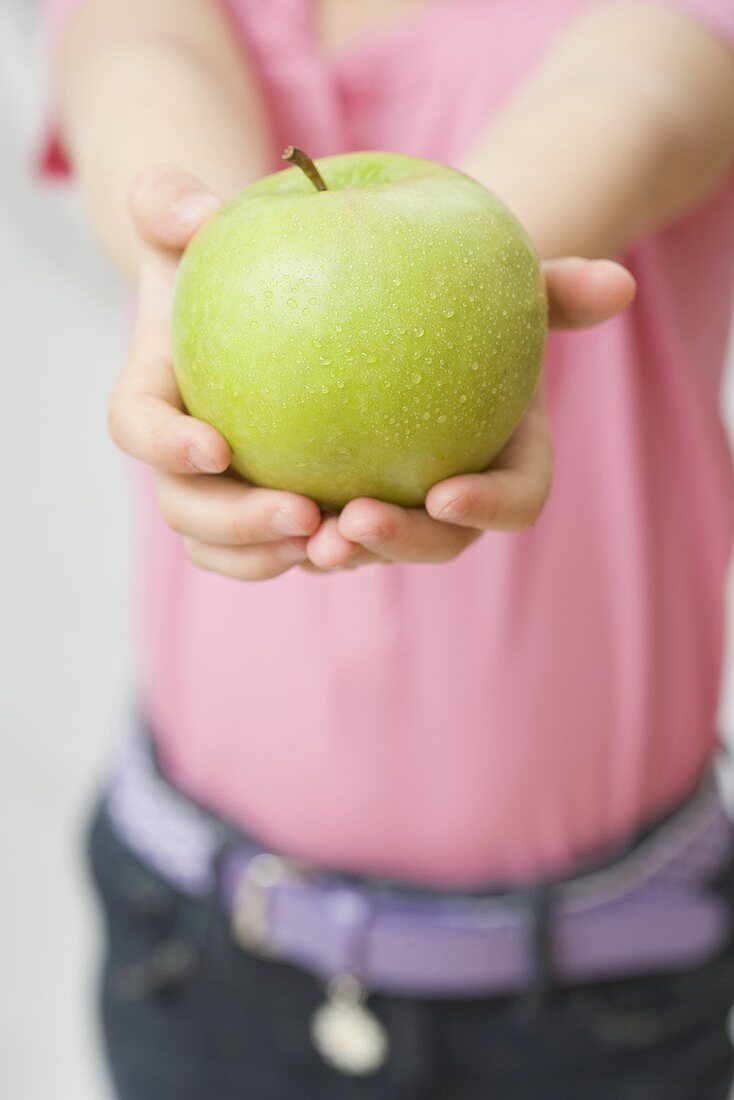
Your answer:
<point x="533" y="702"/>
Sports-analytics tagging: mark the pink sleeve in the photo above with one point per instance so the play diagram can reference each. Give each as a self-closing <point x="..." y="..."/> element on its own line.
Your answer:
<point x="52" y="161"/>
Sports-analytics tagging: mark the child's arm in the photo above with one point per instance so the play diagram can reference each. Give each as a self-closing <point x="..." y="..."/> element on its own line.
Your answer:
<point x="156" y="82"/>
<point x="626" y="125"/>
<point x="144" y="83"/>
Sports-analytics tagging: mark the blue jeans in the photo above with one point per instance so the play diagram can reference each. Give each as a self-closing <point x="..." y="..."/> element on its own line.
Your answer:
<point x="188" y="1015"/>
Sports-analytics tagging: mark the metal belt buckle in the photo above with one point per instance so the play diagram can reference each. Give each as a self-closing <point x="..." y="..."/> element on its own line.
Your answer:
<point x="250" y="921"/>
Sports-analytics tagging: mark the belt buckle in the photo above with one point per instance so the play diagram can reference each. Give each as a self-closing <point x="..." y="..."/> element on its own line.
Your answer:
<point x="250" y="918"/>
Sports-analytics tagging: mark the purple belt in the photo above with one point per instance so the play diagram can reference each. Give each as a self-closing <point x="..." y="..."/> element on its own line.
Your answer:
<point x="650" y="910"/>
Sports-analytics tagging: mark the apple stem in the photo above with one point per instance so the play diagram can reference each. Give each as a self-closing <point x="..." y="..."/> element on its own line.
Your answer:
<point x="307" y="166"/>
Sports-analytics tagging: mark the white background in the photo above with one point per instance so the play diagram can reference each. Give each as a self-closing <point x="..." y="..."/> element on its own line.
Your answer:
<point x="65" y="664"/>
<point x="64" y="546"/>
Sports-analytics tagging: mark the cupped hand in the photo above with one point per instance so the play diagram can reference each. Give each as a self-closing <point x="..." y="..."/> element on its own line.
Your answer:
<point x="228" y="526"/>
<point x="510" y="496"/>
<point x="249" y="533"/>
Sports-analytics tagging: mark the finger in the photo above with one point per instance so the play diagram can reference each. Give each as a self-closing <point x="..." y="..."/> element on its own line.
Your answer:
<point x="327" y="549"/>
<point x="364" y="557"/>
<point x="146" y="419"/>
<point x="229" y="512"/>
<point x="250" y="563"/>
<point x="168" y="205"/>
<point x="401" y="534"/>
<point x="360" y="557"/>
<point x="510" y="496"/>
<point x="586" y="292"/>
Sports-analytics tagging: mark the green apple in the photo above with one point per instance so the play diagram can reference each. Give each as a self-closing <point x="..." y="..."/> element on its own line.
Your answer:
<point x="367" y="339"/>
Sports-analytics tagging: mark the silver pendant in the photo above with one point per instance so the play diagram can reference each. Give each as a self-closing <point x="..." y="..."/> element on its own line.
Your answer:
<point x="344" y="1031"/>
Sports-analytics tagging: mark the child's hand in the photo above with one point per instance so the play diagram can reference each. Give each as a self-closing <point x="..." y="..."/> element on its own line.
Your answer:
<point x="508" y="497"/>
<point x="241" y="531"/>
<point x="228" y="526"/>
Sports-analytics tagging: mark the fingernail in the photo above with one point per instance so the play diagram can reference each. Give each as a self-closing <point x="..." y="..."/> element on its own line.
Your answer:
<point x="190" y="209"/>
<point x="373" y="537"/>
<point x="454" y="509"/>
<point x="201" y="460"/>
<point x="286" y="524"/>
<point x="291" y="551"/>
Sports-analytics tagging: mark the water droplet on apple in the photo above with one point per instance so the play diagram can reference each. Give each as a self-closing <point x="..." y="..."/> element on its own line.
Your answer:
<point x="462" y="399"/>
<point x="340" y="383"/>
<point x="432" y="295"/>
<point x="369" y="357"/>
<point x="475" y="366"/>
<point x="324" y="389"/>
<point x="305" y="311"/>
<point x="268" y="294"/>
<point x="316" y="342"/>
<point x="449" y="312"/>
<point x="426" y="416"/>
<point x="442" y="419"/>
<point x="324" y="360"/>
<point x="397" y="281"/>
<point x="418" y="331"/>
<point x="292" y="303"/>
<point x="416" y="378"/>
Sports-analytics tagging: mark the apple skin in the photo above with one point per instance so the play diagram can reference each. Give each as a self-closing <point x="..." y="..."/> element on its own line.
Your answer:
<point x="367" y="340"/>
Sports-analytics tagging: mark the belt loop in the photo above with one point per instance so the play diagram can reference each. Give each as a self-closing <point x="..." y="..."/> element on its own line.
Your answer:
<point x="540" y="904"/>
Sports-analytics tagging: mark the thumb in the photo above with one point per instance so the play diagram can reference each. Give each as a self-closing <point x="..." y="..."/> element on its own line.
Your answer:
<point x="168" y="205"/>
<point x="586" y="292"/>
